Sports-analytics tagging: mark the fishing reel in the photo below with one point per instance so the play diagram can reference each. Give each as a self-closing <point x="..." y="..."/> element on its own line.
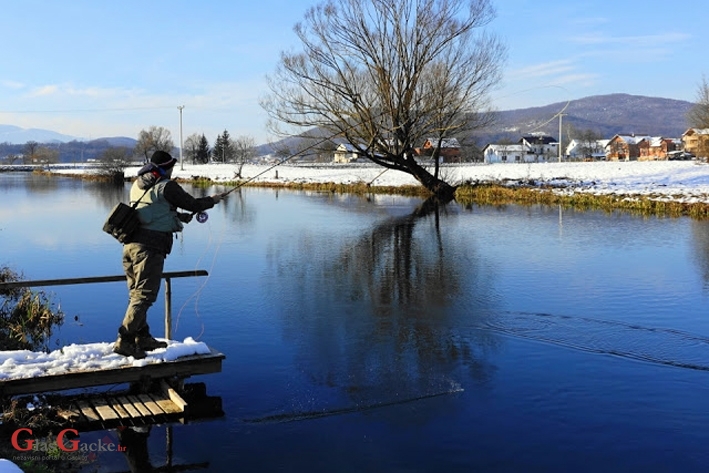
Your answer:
<point x="202" y="217"/>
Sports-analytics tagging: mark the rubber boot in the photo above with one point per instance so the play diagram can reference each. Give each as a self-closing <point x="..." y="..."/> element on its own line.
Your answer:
<point x="147" y="342"/>
<point x="125" y="345"/>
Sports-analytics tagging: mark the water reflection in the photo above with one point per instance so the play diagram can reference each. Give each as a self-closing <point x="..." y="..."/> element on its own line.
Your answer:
<point x="394" y="333"/>
<point x="700" y="240"/>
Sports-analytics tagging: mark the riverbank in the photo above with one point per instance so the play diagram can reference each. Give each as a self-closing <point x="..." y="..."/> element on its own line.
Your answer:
<point x="672" y="188"/>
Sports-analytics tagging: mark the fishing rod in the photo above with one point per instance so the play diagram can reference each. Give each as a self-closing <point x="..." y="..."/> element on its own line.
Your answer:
<point x="203" y="217"/>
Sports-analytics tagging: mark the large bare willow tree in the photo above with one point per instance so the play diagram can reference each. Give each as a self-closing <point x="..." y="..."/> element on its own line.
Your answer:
<point x="386" y="75"/>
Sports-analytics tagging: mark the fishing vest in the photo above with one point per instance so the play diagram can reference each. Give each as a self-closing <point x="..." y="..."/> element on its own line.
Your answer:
<point x="154" y="211"/>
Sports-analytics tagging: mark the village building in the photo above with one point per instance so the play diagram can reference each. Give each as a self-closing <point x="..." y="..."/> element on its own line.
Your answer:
<point x="449" y="151"/>
<point x="624" y="147"/>
<point x="532" y="148"/>
<point x="345" y="153"/>
<point x="584" y="150"/>
<point x="655" y="148"/>
<point x="696" y="141"/>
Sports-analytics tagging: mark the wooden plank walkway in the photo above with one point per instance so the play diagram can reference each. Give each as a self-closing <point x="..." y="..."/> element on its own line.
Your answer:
<point x="106" y="410"/>
<point x="180" y="368"/>
<point x="127" y="408"/>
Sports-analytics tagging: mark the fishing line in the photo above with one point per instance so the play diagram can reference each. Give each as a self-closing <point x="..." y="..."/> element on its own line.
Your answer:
<point x="198" y="292"/>
<point x="309" y="415"/>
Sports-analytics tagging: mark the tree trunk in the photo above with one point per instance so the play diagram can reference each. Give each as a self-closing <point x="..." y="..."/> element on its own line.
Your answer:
<point x="436" y="186"/>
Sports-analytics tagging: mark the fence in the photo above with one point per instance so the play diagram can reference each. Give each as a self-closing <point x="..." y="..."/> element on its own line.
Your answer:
<point x="102" y="279"/>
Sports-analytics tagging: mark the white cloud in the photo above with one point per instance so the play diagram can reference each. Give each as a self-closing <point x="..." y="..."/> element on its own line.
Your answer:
<point x="544" y="69"/>
<point x="44" y="90"/>
<point x="635" y="41"/>
<point x="10" y="84"/>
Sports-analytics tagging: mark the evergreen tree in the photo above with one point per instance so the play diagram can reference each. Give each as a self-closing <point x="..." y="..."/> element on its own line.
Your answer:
<point x="223" y="151"/>
<point x="202" y="155"/>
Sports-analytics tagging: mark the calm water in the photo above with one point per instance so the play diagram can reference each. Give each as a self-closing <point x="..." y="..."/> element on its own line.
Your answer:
<point x="381" y="335"/>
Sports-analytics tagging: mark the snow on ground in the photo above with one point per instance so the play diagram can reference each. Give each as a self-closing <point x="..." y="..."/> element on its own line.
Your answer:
<point x="685" y="181"/>
<point x="28" y="364"/>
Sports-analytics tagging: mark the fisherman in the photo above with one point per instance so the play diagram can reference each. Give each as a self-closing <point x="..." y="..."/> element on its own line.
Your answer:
<point x="158" y="198"/>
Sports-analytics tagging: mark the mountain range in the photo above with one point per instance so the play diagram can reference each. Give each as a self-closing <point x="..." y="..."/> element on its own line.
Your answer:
<point x="607" y="115"/>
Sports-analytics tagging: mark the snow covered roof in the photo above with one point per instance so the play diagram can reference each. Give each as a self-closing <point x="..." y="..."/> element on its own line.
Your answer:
<point x="631" y="139"/>
<point x="697" y="131"/>
<point x="446" y="143"/>
<point x="511" y="148"/>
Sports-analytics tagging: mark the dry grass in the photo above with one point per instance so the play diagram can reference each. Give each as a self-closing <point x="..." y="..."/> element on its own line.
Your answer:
<point x="640" y="205"/>
<point x="482" y="194"/>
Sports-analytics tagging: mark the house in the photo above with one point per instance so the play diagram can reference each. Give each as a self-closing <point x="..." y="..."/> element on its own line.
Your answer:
<point x="696" y="141"/>
<point x="542" y="146"/>
<point x="624" y="147"/>
<point x="655" y="148"/>
<point x="504" y="153"/>
<point x="533" y="148"/>
<point x="345" y="153"/>
<point x="594" y="150"/>
<point x="449" y="149"/>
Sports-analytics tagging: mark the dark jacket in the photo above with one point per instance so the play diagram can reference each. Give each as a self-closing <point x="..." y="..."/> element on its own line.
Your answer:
<point x="176" y="196"/>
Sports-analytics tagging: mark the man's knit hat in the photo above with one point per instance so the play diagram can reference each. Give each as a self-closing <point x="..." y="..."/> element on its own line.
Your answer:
<point x="163" y="159"/>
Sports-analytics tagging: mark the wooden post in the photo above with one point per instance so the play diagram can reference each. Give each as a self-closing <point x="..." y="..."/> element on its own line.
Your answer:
<point x="168" y="309"/>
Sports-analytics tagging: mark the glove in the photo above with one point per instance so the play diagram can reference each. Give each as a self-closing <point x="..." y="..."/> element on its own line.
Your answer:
<point x="218" y="198"/>
<point x="184" y="217"/>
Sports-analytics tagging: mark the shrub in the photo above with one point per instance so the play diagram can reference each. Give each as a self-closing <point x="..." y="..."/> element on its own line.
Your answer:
<point x="26" y="317"/>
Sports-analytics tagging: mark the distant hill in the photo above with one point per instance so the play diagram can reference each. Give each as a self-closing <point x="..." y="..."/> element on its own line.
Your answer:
<point x="605" y="114"/>
<point x="16" y="135"/>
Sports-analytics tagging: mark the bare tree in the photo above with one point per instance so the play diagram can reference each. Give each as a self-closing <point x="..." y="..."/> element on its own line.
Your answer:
<point x="191" y="147"/>
<point x="244" y="149"/>
<point x="388" y="74"/>
<point x="154" y="139"/>
<point x="46" y="155"/>
<point x="30" y="151"/>
<point x="698" y="116"/>
<point x="113" y="162"/>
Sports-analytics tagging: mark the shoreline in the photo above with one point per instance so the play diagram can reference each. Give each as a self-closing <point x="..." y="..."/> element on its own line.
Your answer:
<point x="660" y="188"/>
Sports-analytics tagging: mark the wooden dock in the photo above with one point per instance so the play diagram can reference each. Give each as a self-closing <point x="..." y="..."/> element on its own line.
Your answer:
<point x="163" y="405"/>
<point x="180" y="368"/>
<point x="156" y="390"/>
<point x="155" y="393"/>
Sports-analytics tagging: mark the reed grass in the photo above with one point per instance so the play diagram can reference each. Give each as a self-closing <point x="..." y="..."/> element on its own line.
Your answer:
<point x="493" y="194"/>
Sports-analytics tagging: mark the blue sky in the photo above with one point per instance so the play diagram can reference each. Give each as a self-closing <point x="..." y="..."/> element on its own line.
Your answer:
<point x="92" y="69"/>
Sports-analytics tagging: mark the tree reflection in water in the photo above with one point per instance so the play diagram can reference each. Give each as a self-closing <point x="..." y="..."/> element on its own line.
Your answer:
<point x="373" y="316"/>
<point x="700" y="232"/>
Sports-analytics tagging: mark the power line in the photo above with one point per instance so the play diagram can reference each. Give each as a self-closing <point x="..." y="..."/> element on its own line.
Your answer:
<point x="88" y="110"/>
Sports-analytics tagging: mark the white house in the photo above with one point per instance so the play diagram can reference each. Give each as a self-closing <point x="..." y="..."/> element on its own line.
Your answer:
<point x="532" y="148"/>
<point x="582" y="149"/>
<point x="345" y="153"/>
<point x="511" y="153"/>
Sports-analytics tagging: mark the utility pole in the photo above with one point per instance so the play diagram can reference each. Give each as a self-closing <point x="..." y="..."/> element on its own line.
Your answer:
<point x="560" y="152"/>
<point x="182" y="167"/>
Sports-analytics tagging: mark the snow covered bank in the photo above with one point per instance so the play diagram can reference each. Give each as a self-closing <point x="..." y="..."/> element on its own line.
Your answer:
<point x="681" y="181"/>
